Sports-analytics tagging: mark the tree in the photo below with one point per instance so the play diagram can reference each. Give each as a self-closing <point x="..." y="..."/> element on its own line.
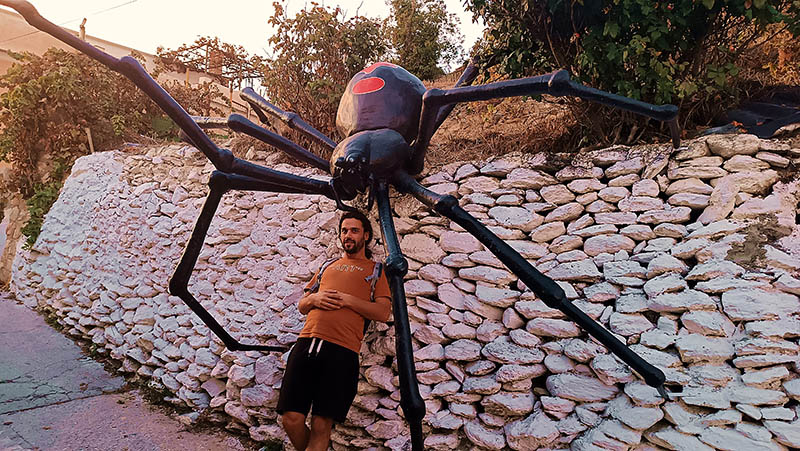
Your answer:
<point x="229" y="64"/>
<point x="424" y="36"/>
<point x="315" y="55"/>
<point x="686" y="52"/>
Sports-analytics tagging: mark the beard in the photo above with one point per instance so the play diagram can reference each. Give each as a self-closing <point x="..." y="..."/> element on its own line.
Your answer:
<point x="352" y="247"/>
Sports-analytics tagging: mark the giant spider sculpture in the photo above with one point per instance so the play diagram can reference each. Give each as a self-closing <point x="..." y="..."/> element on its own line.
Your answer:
<point x="388" y="118"/>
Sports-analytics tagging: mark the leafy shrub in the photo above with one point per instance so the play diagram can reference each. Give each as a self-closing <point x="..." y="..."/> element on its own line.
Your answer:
<point x="49" y="103"/>
<point x="44" y="196"/>
<point x="685" y="52"/>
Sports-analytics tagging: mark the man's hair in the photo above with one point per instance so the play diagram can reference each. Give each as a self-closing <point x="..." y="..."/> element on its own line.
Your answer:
<point x="355" y="214"/>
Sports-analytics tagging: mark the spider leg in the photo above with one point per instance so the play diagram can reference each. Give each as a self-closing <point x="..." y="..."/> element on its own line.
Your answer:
<point x="241" y="124"/>
<point x="219" y="184"/>
<point x="466" y="79"/>
<point x="557" y="84"/>
<point x="544" y="287"/>
<point x="293" y="120"/>
<point x="396" y="268"/>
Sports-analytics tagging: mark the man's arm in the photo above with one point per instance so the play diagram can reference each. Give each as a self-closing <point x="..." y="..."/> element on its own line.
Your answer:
<point x="375" y="311"/>
<point x="325" y="300"/>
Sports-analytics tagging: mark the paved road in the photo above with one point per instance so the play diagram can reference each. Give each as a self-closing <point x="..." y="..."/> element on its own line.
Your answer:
<point x="53" y="397"/>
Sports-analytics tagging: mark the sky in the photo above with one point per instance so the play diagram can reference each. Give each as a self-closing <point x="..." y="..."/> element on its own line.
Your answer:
<point x="146" y="24"/>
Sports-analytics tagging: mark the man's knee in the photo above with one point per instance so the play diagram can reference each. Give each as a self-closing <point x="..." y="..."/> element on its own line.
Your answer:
<point x="293" y="419"/>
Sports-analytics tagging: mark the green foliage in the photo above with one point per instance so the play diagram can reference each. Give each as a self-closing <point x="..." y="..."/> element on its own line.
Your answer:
<point x="51" y="100"/>
<point x="424" y="36"/>
<point x="44" y="196"/>
<point x="315" y="55"/>
<point x="684" y="52"/>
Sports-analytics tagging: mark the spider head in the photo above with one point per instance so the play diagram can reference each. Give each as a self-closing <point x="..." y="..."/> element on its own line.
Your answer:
<point x="361" y="157"/>
<point x="350" y="166"/>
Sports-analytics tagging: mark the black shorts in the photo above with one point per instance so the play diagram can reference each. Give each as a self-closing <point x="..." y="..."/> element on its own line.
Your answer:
<point x="322" y="378"/>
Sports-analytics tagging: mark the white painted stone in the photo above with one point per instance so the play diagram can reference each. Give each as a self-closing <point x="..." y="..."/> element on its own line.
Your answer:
<point x="682" y="301"/>
<point x="503" y="350"/>
<point x="453" y="242"/>
<point x="628" y="324"/>
<point x="700" y="348"/>
<point x="580" y="388"/>
<point x="730" y="439"/>
<point x="530" y="433"/>
<point x="665" y="283"/>
<point x="749" y="304"/>
<point x="583" y="270"/>
<point x="484" y="437"/>
<point x="610" y="370"/>
<point x="669" y="438"/>
<point x="708" y="322"/>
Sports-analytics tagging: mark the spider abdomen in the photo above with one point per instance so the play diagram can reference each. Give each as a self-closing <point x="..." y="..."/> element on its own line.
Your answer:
<point x="383" y="95"/>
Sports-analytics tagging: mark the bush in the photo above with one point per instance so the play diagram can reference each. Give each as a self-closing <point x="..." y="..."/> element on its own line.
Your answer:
<point x="684" y="52"/>
<point x="51" y="100"/>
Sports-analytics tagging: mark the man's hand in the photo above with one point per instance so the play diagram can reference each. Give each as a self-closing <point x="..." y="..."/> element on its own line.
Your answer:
<point x="328" y="300"/>
<point x="323" y="300"/>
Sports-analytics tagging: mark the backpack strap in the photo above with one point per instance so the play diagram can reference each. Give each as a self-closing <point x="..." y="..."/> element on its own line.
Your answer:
<point x="373" y="281"/>
<point x="314" y="288"/>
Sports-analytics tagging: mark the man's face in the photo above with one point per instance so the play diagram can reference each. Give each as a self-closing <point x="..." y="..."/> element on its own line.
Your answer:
<point x="352" y="236"/>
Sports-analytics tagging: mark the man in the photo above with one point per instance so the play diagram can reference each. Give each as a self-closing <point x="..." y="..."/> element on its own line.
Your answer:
<point x="322" y="370"/>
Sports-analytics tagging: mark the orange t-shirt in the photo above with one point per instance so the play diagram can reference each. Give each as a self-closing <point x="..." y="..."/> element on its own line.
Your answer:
<point x="343" y="326"/>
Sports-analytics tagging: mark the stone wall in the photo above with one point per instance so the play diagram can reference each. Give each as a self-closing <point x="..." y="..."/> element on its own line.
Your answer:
<point x="690" y="258"/>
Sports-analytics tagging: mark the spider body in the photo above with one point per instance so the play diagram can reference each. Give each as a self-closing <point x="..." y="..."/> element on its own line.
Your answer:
<point x="379" y="115"/>
<point x="388" y="119"/>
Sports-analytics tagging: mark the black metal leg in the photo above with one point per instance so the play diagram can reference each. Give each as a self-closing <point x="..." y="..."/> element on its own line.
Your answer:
<point x="546" y="288"/>
<point x="260" y="105"/>
<point x="396" y="268"/>
<point x="557" y="84"/>
<point x="241" y="124"/>
<point x="179" y="283"/>
<point x="281" y="181"/>
<point x="466" y="78"/>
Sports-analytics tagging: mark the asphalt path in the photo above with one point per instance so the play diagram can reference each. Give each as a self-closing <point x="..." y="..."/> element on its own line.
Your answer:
<point x="54" y="397"/>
